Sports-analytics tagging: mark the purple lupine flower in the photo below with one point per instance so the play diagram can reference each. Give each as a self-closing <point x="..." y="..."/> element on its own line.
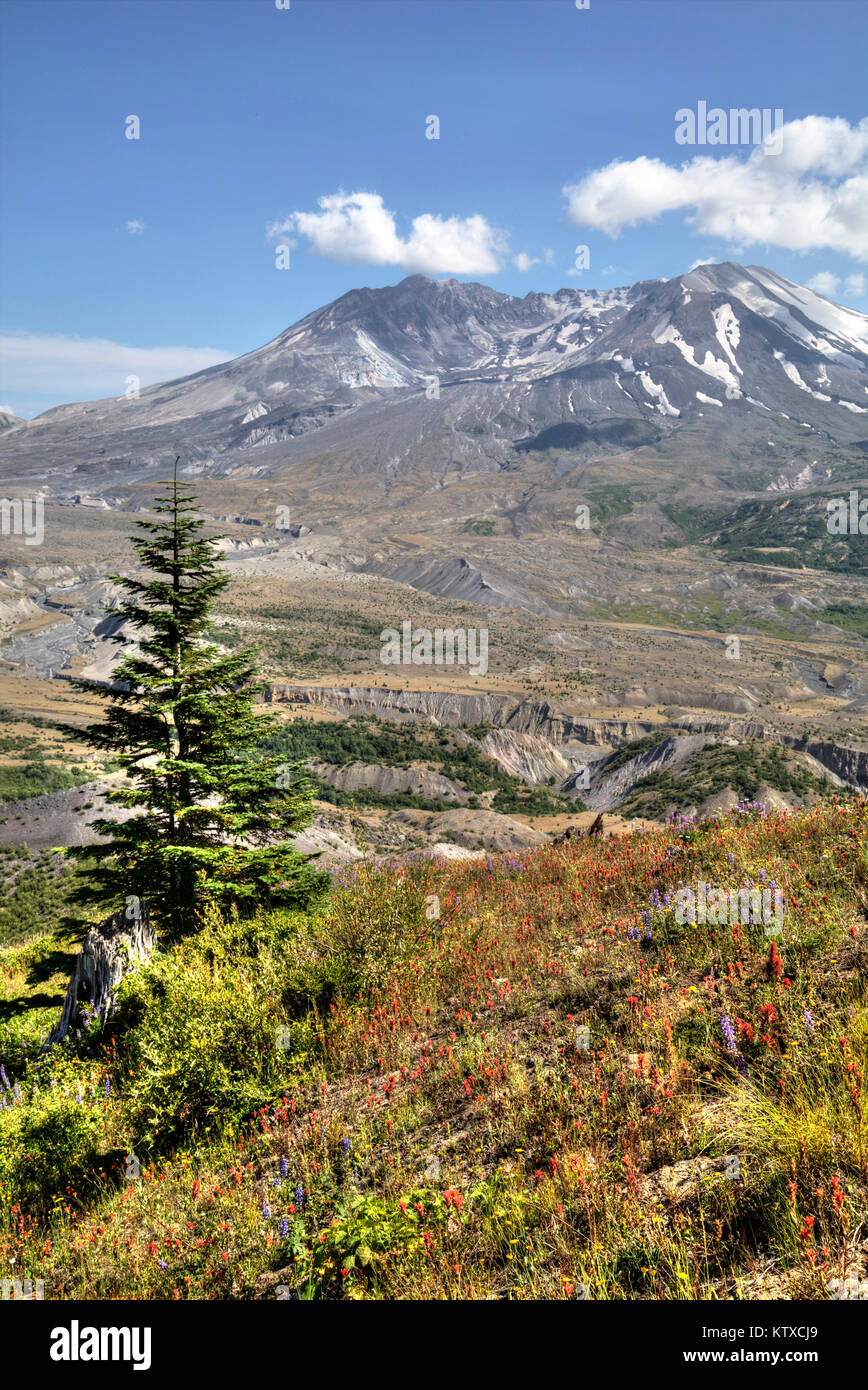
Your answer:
<point x="266" y="1210"/>
<point x="346" y="1145"/>
<point x="730" y="858"/>
<point x="78" y="1095"/>
<point x="808" y="1020"/>
<point x="655" y="898"/>
<point x="283" y="1229"/>
<point x="162" y="1264"/>
<point x="284" y="1167"/>
<point x="729" y="1034"/>
<point x="107" y="1086"/>
<point x="646" y="918"/>
<point x="298" y="1197"/>
<point x="4" y="1078"/>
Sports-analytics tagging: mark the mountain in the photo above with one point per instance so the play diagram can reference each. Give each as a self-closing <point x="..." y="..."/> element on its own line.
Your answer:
<point x="733" y="352"/>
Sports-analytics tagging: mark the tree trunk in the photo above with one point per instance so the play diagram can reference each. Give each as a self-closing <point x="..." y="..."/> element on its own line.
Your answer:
<point x="109" y="951"/>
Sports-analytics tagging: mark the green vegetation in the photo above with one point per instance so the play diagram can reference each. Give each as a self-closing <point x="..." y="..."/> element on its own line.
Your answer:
<point x="369" y="1101"/>
<point x="743" y="769"/>
<point x="610" y="500"/>
<point x="38" y="777"/>
<point x="791" y="533"/>
<point x="211" y="824"/>
<point x="365" y="739"/>
<point x="633" y="750"/>
<point x="33" y="891"/>
<point x="852" y="617"/>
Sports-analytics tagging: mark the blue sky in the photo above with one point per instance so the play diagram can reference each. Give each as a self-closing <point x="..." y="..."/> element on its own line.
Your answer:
<point x="557" y="129"/>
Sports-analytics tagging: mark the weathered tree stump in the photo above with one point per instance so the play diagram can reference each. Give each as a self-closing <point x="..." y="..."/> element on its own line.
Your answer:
<point x="108" y="953"/>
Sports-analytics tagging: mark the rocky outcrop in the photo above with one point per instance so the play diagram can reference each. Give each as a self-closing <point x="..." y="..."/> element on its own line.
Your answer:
<point x="417" y="781"/>
<point x="472" y="829"/>
<point x="528" y="756"/>
<point x="606" y="792"/>
<point x="848" y="764"/>
<point x="519" y="714"/>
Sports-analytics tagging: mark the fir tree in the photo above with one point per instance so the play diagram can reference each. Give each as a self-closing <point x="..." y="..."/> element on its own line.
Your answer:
<point x="210" y="817"/>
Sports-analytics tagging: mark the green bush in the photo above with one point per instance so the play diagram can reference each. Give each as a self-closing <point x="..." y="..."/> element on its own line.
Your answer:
<point x="217" y="1026"/>
<point x="48" y="1147"/>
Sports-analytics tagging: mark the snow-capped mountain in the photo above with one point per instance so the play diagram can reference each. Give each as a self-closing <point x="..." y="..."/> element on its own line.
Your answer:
<point x="379" y="373"/>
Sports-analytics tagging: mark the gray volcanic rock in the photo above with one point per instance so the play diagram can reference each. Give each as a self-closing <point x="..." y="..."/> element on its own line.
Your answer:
<point x="355" y="776"/>
<point x="733" y="350"/>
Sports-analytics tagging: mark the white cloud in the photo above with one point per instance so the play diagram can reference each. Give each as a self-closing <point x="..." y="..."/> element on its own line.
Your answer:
<point x="706" y="260"/>
<point x="357" y="227"/>
<point x="824" y="282"/>
<point x="811" y="196"/>
<point x="135" y="227"/>
<point x="87" y="368"/>
<point x="525" y="262"/>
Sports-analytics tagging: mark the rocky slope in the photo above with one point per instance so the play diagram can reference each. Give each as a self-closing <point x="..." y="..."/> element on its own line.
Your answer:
<point x="725" y="348"/>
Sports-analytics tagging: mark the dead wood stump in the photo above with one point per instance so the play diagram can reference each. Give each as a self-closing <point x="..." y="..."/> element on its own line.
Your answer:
<point x="108" y="953"/>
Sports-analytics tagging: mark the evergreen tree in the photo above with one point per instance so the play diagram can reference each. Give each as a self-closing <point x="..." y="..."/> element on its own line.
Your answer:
<point x="211" y="817"/>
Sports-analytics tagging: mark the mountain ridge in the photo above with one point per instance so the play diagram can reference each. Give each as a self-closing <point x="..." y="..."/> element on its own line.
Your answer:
<point x="742" y="341"/>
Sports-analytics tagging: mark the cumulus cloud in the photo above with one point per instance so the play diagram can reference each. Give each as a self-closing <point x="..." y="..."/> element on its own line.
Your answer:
<point x="824" y="282"/>
<point x="827" y="283"/>
<point x="51" y="364"/>
<point x="704" y="260"/>
<point x="135" y="227"/>
<point x="524" y="262"/>
<point x="352" y="227"/>
<point x="811" y="196"/>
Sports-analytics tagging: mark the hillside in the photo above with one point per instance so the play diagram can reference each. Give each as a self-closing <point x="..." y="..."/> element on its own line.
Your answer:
<point x="506" y="1079"/>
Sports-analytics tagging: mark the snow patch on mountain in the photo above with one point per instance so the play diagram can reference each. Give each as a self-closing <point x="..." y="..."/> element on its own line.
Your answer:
<point x="710" y="366"/>
<point x="655" y="390"/>
<point x="727" y="332"/>
<point x="793" y="373"/>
